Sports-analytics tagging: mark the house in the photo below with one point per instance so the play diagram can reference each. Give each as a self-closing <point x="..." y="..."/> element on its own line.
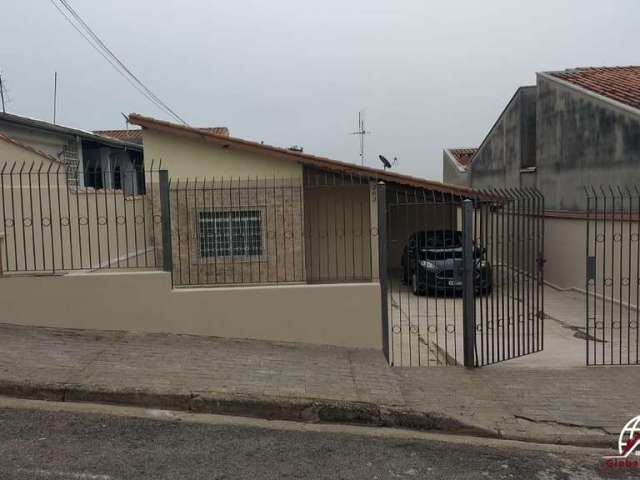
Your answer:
<point x="455" y="165"/>
<point x="300" y="234"/>
<point x="245" y="212"/>
<point x="575" y="128"/>
<point x="90" y="160"/>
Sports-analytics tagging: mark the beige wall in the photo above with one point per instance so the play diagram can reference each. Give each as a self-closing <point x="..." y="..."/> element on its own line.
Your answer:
<point x="191" y="158"/>
<point x="338" y="233"/>
<point x="342" y="315"/>
<point x="53" y="227"/>
<point x="565" y="252"/>
<point x="10" y="153"/>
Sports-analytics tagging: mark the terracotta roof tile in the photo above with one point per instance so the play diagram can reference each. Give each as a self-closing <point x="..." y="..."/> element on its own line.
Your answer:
<point x="303" y="158"/>
<point x="463" y="155"/>
<point x="126" y="135"/>
<point x="617" y="83"/>
<point x="135" y="135"/>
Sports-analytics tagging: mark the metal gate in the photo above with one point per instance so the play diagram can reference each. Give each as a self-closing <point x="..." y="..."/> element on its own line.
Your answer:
<point x="464" y="276"/>
<point x="612" y="276"/>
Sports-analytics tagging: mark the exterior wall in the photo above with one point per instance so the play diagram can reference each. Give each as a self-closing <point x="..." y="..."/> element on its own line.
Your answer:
<point x="582" y="140"/>
<point x="54" y="227"/>
<point x="191" y="158"/>
<point x="279" y="204"/>
<point x="565" y="252"/>
<point x="46" y="142"/>
<point x="509" y="146"/>
<point x="10" y="153"/>
<point x="341" y="315"/>
<point x="338" y="233"/>
<point x="451" y="173"/>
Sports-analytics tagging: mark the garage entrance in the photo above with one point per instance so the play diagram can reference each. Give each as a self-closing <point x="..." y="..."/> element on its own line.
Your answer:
<point x="464" y="275"/>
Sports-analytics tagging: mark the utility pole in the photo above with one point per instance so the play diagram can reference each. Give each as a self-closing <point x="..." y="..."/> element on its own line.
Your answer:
<point x="361" y="132"/>
<point x="55" y="95"/>
<point x="2" y="94"/>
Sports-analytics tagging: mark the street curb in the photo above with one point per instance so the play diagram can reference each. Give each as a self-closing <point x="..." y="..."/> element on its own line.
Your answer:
<point x="286" y="408"/>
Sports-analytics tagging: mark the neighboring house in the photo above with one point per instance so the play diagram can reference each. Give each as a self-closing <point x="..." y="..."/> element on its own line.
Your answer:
<point x="455" y="165"/>
<point x="575" y="128"/>
<point x="90" y="160"/>
<point x="135" y="135"/>
<point x="246" y="212"/>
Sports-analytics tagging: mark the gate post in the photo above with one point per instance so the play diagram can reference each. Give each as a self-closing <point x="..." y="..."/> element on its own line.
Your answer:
<point x="468" y="301"/>
<point x="165" y="217"/>
<point x="381" y="200"/>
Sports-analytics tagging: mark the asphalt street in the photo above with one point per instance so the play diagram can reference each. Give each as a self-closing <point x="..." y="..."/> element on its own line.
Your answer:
<point x="53" y="444"/>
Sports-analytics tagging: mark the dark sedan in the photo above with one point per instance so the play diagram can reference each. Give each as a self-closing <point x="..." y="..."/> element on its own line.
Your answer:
<point x="432" y="262"/>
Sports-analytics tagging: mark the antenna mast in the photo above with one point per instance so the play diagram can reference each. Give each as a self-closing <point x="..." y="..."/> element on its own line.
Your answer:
<point x="361" y="132"/>
<point x="55" y="95"/>
<point x="2" y="94"/>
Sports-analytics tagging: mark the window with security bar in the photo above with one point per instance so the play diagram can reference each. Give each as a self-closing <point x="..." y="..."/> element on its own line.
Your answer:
<point x="234" y="233"/>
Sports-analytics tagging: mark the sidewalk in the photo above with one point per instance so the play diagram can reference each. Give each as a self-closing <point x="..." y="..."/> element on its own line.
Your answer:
<point x="580" y="406"/>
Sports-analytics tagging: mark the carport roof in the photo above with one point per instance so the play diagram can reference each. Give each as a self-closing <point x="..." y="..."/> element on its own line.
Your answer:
<point x="292" y="155"/>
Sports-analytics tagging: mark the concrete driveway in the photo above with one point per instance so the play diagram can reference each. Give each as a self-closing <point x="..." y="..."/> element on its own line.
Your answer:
<point x="427" y="330"/>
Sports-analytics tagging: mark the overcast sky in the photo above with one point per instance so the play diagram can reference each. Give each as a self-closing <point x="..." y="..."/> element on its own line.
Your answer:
<point x="428" y="74"/>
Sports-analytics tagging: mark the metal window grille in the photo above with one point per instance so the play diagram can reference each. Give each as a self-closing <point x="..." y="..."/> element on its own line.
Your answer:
<point x="236" y="233"/>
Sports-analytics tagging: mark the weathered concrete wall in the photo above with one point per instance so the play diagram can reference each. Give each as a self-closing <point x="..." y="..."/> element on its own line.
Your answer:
<point x="341" y="315"/>
<point x="582" y="140"/>
<point x="451" y="173"/>
<point x="509" y="146"/>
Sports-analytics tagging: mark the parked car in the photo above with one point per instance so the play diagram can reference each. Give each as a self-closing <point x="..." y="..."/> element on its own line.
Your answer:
<point x="432" y="262"/>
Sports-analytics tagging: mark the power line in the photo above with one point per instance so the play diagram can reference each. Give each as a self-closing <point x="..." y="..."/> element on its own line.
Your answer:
<point x="106" y="49"/>
<point x="94" y="40"/>
<point x="95" y="47"/>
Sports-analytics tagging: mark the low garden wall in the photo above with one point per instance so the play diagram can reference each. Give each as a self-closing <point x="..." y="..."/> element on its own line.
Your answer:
<point x="346" y="315"/>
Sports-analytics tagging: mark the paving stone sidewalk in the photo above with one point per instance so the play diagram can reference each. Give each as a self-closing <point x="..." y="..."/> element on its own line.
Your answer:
<point x="585" y="406"/>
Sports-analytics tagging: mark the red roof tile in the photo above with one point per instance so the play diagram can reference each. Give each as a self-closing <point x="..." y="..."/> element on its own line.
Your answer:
<point x="126" y="135"/>
<point x="463" y="155"/>
<point x="617" y="83"/>
<point x="135" y="135"/>
<point x="303" y="158"/>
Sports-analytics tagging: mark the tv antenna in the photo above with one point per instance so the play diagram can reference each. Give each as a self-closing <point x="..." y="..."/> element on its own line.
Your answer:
<point x="55" y="95"/>
<point x="2" y="93"/>
<point x="361" y="132"/>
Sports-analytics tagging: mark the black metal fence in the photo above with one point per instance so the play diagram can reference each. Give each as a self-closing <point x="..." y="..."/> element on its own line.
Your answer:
<point x="508" y="235"/>
<point x="464" y="277"/>
<point x="51" y="222"/>
<point x="244" y="231"/>
<point x="613" y="276"/>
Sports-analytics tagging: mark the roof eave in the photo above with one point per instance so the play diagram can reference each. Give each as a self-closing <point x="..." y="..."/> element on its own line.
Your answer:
<point x="68" y="131"/>
<point x="307" y="159"/>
